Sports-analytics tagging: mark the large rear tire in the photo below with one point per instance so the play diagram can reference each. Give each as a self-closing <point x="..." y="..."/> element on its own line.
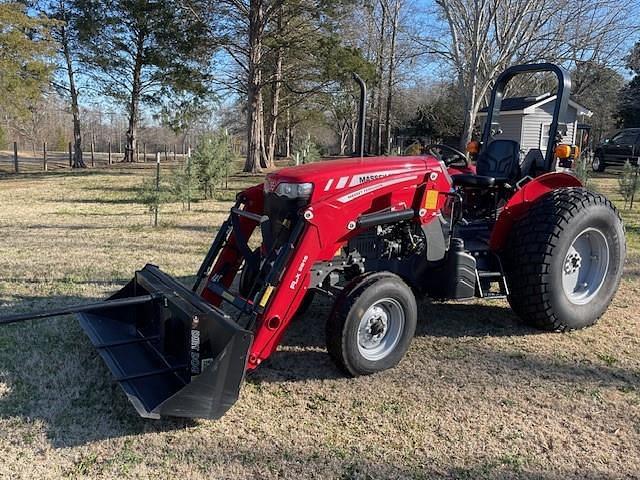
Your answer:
<point x="564" y="260"/>
<point x="372" y="324"/>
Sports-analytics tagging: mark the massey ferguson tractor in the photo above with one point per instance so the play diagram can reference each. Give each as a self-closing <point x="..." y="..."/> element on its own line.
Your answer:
<point x="372" y="234"/>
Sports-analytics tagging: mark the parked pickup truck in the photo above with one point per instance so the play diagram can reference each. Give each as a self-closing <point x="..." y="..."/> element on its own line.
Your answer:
<point x="623" y="146"/>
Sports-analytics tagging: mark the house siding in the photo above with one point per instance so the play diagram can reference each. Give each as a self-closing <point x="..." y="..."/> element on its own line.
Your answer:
<point x="533" y="125"/>
<point x="511" y="126"/>
<point x="527" y="129"/>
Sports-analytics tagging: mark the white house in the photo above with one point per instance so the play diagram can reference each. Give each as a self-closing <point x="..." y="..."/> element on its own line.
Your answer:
<point x="526" y="120"/>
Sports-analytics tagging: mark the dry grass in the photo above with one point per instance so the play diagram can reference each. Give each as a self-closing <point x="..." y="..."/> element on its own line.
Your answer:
<point x="478" y="396"/>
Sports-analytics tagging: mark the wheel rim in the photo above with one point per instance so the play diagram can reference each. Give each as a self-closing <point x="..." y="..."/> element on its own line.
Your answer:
<point x="380" y="329"/>
<point x="596" y="163"/>
<point x="585" y="266"/>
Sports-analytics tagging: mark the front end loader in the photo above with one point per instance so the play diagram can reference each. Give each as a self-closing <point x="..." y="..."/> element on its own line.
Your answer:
<point x="372" y="234"/>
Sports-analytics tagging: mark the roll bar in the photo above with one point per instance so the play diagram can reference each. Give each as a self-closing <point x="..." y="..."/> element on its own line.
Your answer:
<point x="559" y="112"/>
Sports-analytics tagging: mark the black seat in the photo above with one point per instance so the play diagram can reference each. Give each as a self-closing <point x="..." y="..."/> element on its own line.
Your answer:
<point x="497" y="165"/>
<point x="471" y="180"/>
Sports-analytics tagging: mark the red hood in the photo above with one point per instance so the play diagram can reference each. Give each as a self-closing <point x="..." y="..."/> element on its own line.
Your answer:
<point x="329" y="175"/>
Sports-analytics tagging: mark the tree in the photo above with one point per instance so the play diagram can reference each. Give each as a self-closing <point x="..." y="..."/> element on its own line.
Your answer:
<point x="64" y="32"/>
<point x="598" y="88"/>
<point x="482" y="38"/>
<point x="628" y="114"/>
<point x="25" y="48"/>
<point x="440" y="116"/>
<point x="141" y="52"/>
<point x="212" y="159"/>
<point x="277" y="47"/>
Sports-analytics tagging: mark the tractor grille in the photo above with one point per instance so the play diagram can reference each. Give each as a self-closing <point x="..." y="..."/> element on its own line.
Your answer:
<point x="282" y="213"/>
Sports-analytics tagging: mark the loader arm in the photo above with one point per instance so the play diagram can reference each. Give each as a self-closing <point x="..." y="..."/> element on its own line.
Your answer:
<point x="320" y="230"/>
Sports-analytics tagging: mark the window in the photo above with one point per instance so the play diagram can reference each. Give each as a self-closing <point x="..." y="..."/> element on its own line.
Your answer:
<point x="624" y="138"/>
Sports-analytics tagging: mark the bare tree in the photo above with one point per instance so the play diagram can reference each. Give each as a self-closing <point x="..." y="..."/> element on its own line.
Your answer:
<point x="64" y="33"/>
<point x="482" y="37"/>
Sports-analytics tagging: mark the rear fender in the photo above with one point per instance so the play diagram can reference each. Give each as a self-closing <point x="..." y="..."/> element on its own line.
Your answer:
<point x="521" y="201"/>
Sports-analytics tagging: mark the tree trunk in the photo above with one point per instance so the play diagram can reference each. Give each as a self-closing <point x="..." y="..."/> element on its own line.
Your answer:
<point x="287" y="134"/>
<point x="78" y="161"/>
<point x="380" y="61"/>
<point x="134" y="103"/>
<point x="470" y="113"/>
<point x="255" y="131"/>
<point x="344" y="137"/>
<point x="276" y="86"/>
<point x="392" y="54"/>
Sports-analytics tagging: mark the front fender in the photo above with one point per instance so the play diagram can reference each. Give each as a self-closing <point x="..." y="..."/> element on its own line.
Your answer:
<point x="521" y="201"/>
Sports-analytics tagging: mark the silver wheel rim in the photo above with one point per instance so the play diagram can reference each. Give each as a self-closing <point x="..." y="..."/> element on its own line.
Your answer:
<point x="380" y="329"/>
<point x="585" y="266"/>
<point x="595" y="163"/>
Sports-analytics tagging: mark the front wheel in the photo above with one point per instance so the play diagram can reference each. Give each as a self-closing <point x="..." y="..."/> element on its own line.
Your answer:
<point x="564" y="260"/>
<point x="597" y="164"/>
<point x="372" y="324"/>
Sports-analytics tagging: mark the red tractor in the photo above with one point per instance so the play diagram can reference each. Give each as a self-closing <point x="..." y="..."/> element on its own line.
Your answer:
<point x="371" y="233"/>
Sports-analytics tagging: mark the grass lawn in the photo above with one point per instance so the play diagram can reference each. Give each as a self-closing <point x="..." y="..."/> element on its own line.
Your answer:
<point x="478" y="395"/>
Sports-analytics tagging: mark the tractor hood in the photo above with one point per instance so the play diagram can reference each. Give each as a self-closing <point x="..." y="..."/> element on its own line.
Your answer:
<point x="331" y="175"/>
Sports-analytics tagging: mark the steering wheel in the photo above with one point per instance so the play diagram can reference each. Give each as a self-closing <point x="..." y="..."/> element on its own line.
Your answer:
<point x="449" y="155"/>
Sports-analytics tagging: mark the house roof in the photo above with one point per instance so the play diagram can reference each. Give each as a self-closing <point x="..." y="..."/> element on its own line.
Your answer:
<point x="525" y="105"/>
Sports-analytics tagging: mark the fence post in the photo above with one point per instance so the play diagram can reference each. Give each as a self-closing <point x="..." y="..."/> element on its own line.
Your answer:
<point x="93" y="157"/>
<point x="155" y="222"/>
<point x="70" y="155"/>
<point x="44" y="156"/>
<point x="635" y="183"/>
<point x="15" y="157"/>
<point x="137" y="152"/>
<point x="144" y="152"/>
<point x="109" y="153"/>
<point x="165" y="153"/>
<point x="175" y="152"/>
<point x="189" y="181"/>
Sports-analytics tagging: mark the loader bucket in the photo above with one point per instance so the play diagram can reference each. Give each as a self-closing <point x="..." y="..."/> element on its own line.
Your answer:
<point x="173" y="355"/>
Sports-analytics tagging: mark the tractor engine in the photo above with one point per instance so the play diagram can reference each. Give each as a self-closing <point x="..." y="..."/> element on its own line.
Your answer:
<point x="398" y="240"/>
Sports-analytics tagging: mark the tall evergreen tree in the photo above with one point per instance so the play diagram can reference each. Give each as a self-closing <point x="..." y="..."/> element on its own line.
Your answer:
<point x="141" y="51"/>
<point x="25" y="69"/>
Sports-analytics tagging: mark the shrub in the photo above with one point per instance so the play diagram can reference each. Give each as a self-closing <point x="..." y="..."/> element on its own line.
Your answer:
<point x="153" y="196"/>
<point x="183" y="183"/>
<point x="212" y="160"/>
<point x="308" y="152"/>
<point x="628" y="182"/>
<point x="583" y="169"/>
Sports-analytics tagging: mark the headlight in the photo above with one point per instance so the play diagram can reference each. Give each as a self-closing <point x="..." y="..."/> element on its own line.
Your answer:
<point x="294" y="190"/>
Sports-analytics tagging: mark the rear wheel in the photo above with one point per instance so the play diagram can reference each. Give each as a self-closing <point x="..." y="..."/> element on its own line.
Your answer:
<point x="372" y="324"/>
<point x="564" y="260"/>
<point x="597" y="164"/>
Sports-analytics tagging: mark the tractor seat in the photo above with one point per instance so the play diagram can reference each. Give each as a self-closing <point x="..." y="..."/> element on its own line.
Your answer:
<point x="471" y="180"/>
<point x="497" y="165"/>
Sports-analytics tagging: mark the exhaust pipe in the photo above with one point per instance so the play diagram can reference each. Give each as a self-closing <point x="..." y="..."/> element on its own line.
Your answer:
<point x="362" y="114"/>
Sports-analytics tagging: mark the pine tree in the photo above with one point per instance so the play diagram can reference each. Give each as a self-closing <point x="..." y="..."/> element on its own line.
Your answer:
<point x="25" y="50"/>
<point x="184" y="184"/>
<point x="212" y="159"/>
<point x="628" y="182"/>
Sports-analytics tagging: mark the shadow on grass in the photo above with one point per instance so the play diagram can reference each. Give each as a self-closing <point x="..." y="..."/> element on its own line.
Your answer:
<point x="60" y="173"/>
<point x="52" y="373"/>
